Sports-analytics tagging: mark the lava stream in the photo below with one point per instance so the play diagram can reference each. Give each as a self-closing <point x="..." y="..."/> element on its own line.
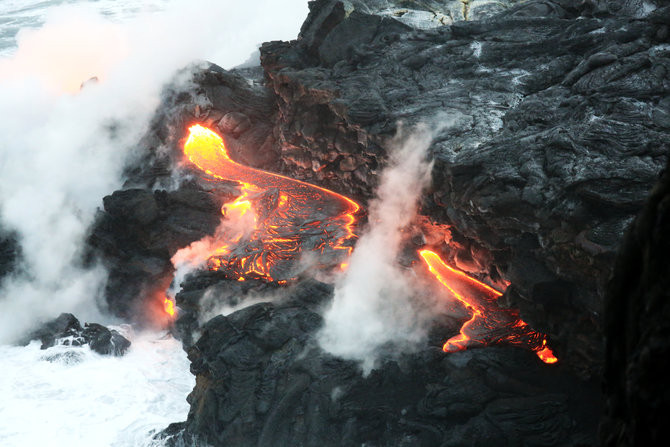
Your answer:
<point x="266" y="228"/>
<point x="271" y="222"/>
<point x="487" y="317"/>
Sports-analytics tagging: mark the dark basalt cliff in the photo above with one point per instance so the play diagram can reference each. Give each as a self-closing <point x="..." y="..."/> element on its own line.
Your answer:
<point x="138" y="232"/>
<point x="556" y="119"/>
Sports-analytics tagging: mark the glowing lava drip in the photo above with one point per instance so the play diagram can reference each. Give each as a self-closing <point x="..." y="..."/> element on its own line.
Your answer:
<point x="277" y="218"/>
<point x="495" y="324"/>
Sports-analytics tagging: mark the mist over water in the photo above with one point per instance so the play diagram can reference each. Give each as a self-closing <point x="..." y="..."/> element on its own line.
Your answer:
<point x="61" y="151"/>
<point x="17" y="15"/>
<point x="64" y="149"/>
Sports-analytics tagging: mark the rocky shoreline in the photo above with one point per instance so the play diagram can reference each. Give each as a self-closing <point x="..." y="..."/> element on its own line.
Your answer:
<point x="66" y="330"/>
<point x="557" y="128"/>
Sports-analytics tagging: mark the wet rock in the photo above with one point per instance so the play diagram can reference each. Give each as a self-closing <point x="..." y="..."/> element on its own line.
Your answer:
<point x="104" y="341"/>
<point x="66" y="330"/>
<point x="66" y="325"/>
<point x="67" y="357"/>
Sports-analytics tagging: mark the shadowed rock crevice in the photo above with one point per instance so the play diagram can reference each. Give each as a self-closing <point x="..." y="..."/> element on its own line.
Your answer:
<point x="638" y="329"/>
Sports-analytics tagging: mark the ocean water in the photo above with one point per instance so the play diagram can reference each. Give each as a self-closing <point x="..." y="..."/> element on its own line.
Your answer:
<point x="65" y="396"/>
<point x="16" y="15"/>
<point x="58" y="159"/>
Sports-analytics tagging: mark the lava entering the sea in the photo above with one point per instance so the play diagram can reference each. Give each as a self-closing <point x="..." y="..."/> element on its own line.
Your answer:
<point x="276" y="218"/>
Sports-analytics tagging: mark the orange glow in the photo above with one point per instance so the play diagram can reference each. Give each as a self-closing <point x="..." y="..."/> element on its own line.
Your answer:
<point x="453" y="279"/>
<point x="63" y="54"/>
<point x="168" y="306"/>
<point x="545" y="354"/>
<point x="272" y="221"/>
<point x="481" y="300"/>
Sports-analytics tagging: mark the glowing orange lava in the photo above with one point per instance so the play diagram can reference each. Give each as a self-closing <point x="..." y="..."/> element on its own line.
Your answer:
<point x="545" y="354"/>
<point x="481" y="300"/>
<point x="275" y="219"/>
<point x="280" y="217"/>
<point x="168" y="306"/>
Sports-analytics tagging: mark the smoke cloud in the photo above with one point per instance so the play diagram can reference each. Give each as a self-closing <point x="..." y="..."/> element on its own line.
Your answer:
<point x="374" y="302"/>
<point x="63" y="149"/>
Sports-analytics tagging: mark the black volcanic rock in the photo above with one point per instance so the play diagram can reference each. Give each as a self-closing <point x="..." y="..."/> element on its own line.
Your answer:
<point x="261" y="380"/>
<point x="232" y="103"/>
<point x="67" y="330"/>
<point x="105" y="341"/>
<point x="637" y="329"/>
<point x="166" y="203"/>
<point x="555" y="133"/>
<point x="139" y="231"/>
<point x="9" y="253"/>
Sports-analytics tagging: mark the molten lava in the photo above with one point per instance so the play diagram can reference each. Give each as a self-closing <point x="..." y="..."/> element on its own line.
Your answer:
<point x="168" y="306"/>
<point x="275" y="219"/>
<point x="489" y="323"/>
<point x="280" y="218"/>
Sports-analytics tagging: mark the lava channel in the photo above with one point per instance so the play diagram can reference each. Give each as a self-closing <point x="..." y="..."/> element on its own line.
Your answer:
<point x="489" y="323"/>
<point x="273" y="221"/>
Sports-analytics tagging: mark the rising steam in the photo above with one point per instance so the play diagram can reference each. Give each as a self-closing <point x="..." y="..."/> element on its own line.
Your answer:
<point x="373" y="303"/>
<point x="63" y="150"/>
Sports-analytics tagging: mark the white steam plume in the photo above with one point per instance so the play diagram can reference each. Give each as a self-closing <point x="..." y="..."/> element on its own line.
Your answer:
<point x="61" y="151"/>
<point x="237" y="225"/>
<point x="373" y="303"/>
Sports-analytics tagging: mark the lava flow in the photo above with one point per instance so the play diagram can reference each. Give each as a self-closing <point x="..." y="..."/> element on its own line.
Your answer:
<point x="489" y="324"/>
<point x="271" y="223"/>
<point x="168" y="306"/>
<point x="275" y="219"/>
